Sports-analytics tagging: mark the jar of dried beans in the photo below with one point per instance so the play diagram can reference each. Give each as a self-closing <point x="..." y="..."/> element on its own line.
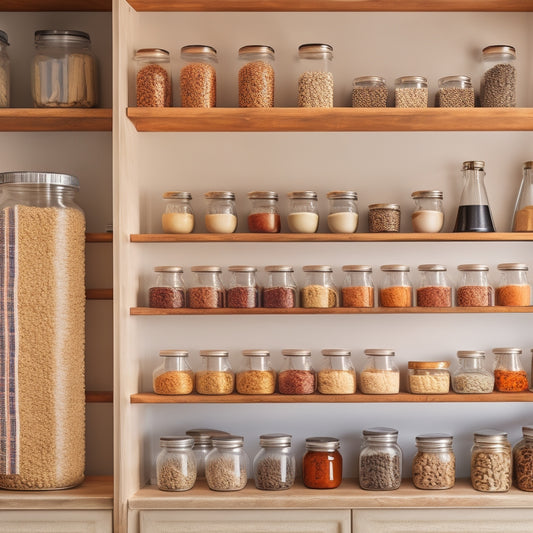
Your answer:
<point x="427" y="216"/>
<point x="303" y="212"/>
<point x="242" y="291"/>
<point x="221" y="216"/>
<point x="498" y="82"/>
<point x="216" y="376"/>
<point x="358" y="287"/>
<point x="428" y="377"/>
<point x="174" y="376"/>
<point x="474" y="289"/>
<point x="257" y="375"/>
<point x="434" y="462"/>
<point x="509" y="374"/>
<point x="523" y="460"/>
<point x="226" y="465"/>
<point x="434" y="288"/>
<point x="154" y="80"/>
<point x="396" y="289"/>
<point x="471" y="377"/>
<point x="369" y="91"/>
<point x="4" y="70"/>
<point x="168" y="291"/>
<point x="455" y="91"/>
<point x="178" y="216"/>
<point x="322" y="463"/>
<point x="384" y="218"/>
<point x="176" y="464"/>
<point x="202" y="446"/>
<point x="206" y="291"/>
<point x="343" y="216"/>
<point x="411" y="91"/>
<point x="274" y="465"/>
<point x="513" y="288"/>
<point x="315" y="80"/>
<point x="280" y="290"/>
<point x="296" y="375"/>
<point x="264" y="215"/>
<point x="198" y="78"/>
<point x="319" y="289"/>
<point x="523" y="211"/>
<point x="256" y="76"/>
<point x="380" y="375"/>
<point x="491" y="463"/>
<point x="337" y="375"/>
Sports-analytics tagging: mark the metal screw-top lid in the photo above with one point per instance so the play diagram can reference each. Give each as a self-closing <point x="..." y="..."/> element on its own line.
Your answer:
<point x="279" y="268"/>
<point x="336" y="353"/>
<point x="394" y="268"/>
<point x="315" y="50"/>
<point x="427" y="194"/>
<point x="242" y="268"/>
<point x="214" y="353"/>
<point x="474" y="267"/>
<point x="256" y="353"/>
<point x="219" y="195"/>
<point x="302" y="195"/>
<point x="317" y="268"/>
<point x="371" y="80"/>
<point x="171" y="269"/>
<point x="192" y="50"/>
<point x="177" y="195"/>
<point x="381" y="434"/>
<point x="393" y="207"/>
<point x="257" y="49"/>
<point x="292" y="352"/>
<point x="411" y="79"/>
<point x="507" y="351"/>
<point x="176" y="442"/>
<point x="431" y="268"/>
<point x="263" y="195"/>
<point x="434" y="441"/>
<point x="379" y="352"/>
<point x="322" y="444"/>
<point x="205" y="268"/>
<point x="513" y="266"/>
<point x="275" y="440"/>
<point x="357" y="268"/>
<point x="204" y="435"/>
<point x="342" y="195"/>
<point x="471" y="354"/>
<point x="473" y="165"/>
<point x="3" y="37"/>
<point x="490" y="436"/>
<point x="156" y="54"/>
<point x="39" y="178"/>
<point x="465" y="80"/>
<point x="528" y="165"/>
<point x="228" y="441"/>
<point x="61" y="36"/>
<point x="173" y="353"/>
<point x="499" y="49"/>
<point x="527" y="431"/>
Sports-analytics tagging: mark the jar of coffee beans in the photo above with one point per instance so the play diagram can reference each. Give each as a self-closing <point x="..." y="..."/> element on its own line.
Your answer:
<point x="169" y="289"/>
<point x="256" y="76"/>
<point x="498" y="82"/>
<point x="411" y="91"/>
<point x="274" y="465"/>
<point x="280" y="290"/>
<point x="369" y="91"/>
<point x="206" y="291"/>
<point x="384" y="218"/>
<point x="315" y="81"/>
<point x="243" y="291"/>
<point x="153" y="81"/>
<point x="198" y="76"/>
<point x="455" y="91"/>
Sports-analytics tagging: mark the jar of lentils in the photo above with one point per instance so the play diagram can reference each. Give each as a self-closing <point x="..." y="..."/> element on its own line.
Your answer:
<point x="315" y="80"/>
<point x="296" y="375"/>
<point x="523" y="460"/>
<point x="257" y="375"/>
<point x="176" y="464"/>
<point x="384" y="218"/>
<point x="411" y="91"/>
<point x="471" y="377"/>
<point x="491" y="461"/>
<point x="202" y="446"/>
<point x="434" y="462"/>
<point x="337" y="375"/>
<point x="221" y="216"/>
<point x="433" y="288"/>
<point x="243" y="291"/>
<point x="396" y="289"/>
<point x="169" y="289"/>
<point x="343" y="216"/>
<point x="154" y="79"/>
<point x="303" y="212"/>
<point x="206" y="291"/>
<point x="256" y="76"/>
<point x="216" y="376"/>
<point x="274" y="465"/>
<point x="369" y="91"/>
<point x="280" y="290"/>
<point x="226" y="465"/>
<point x="358" y="287"/>
<point x="455" y="91"/>
<point x="178" y="216"/>
<point x="264" y="214"/>
<point x="380" y="375"/>
<point x="319" y="289"/>
<point x="474" y="289"/>
<point x="513" y="288"/>
<point x="198" y="79"/>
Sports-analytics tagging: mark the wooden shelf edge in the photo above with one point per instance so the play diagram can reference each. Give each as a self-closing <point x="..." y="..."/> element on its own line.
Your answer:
<point x="56" y="5"/>
<point x="99" y="294"/>
<point x="56" y="119"/>
<point x="98" y="237"/>
<point x="99" y="396"/>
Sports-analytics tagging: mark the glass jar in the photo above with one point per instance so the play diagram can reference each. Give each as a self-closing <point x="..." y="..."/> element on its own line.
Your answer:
<point x="384" y="218"/>
<point x="264" y="214"/>
<point x="358" y="287"/>
<point x="369" y="91"/>
<point x="509" y="374"/>
<point x="380" y="460"/>
<point x="174" y="376"/>
<point x="153" y="85"/>
<point x="474" y="289"/>
<point x="319" y="289"/>
<point x="523" y="211"/>
<point x="315" y="81"/>
<point x="226" y="465"/>
<point x="216" y="376"/>
<point x="63" y="72"/>
<point x="411" y="91"/>
<point x="243" y="292"/>
<point x="428" y="216"/>
<point x="206" y="290"/>
<point x="455" y="91"/>
<point x="176" y="464"/>
<point x="202" y="446"/>
<point x="498" y="82"/>
<point x="474" y="211"/>
<point x="322" y="463"/>
<point x="43" y="316"/>
<point x="491" y="463"/>
<point x="257" y="375"/>
<point x="221" y="216"/>
<point x="380" y="375"/>
<point x="178" y="216"/>
<point x="513" y="288"/>
<point x="343" y="216"/>
<point x="296" y="375"/>
<point x="256" y="76"/>
<point x="434" y="462"/>
<point x="303" y="212"/>
<point x="274" y="465"/>
<point x="434" y="288"/>
<point x="198" y="77"/>
<point x="428" y="377"/>
<point x="523" y="460"/>
<point x="470" y="377"/>
<point x="337" y="375"/>
<point x="4" y="70"/>
<point x="168" y="291"/>
<point x="396" y="289"/>
<point x="280" y="291"/>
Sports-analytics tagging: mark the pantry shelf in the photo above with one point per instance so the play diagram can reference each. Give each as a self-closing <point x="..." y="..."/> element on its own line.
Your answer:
<point x="99" y="396"/>
<point x="98" y="237"/>
<point x="99" y="294"/>
<point x="56" y="119"/>
<point x="56" y="5"/>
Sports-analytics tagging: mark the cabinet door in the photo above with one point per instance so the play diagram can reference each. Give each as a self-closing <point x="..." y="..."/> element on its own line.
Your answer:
<point x="56" y="521"/>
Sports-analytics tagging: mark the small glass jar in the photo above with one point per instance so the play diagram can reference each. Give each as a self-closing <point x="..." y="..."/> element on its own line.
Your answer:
<point x="369" y="91"/>
<point x="434" y="462"/>
<point x="434" y="288"/>
<point x="337" y="375"/>
<point x="491" y="466"/>
<point x="315" y="80"/>
<point x="384" y="218"/>
<point x="523" y="460"/>
<point x="428" y="377"/>
<point x="411" y="91"/>
<point x="280" y="291"/>
<point x="176" y="464"/>
<point x="174" y="376"/>
<point x="322" y="463"/>
<point x="296" y="375"/>
<point x="428" y="216"/>
<point x="455" y="91"/>
<point x="380" y="375"/>
<point x="509" y="374"/>
<point x="523" y="211"/>
<point x="206" y="291"/>
<point x="319" y="289"/>
<point x="169" y="289"/>
<point x="153" y="81"/>
<point x="178" y="216"/>
<point x="243" y="291"/>
<point x="257" y="375"/>
<point x="303" y="212"/>
<point x="198" y="77"/>
<point x="471" y="377"/>
<point x="202" y="446"/>
<point x="256" y="76"/>
<point x="513" y="289"/>
<point x="380" y="460"/>
<point x="498" y="82"/>
<point x="358" y="287"/>
<point x="264" y="215"/>
<point x="343" y="216"/>
<point x="396" y="289"/>
<point x="4" y="71"/>
<point x="216" y="376"/>
<point x="221" y="216"/>
<point x="274" y="465"/>
<point x="226" y="465"/>
<point x="474" y="289"/>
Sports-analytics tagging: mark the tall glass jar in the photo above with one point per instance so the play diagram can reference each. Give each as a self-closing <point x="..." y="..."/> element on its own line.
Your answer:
<point x="523" y="211"/>
<point x="256" y="76"/>
<point x="168" y="291"/>
<point x="216" y="376"/>
<point x="471" y="377"/>
<point x="513" y="287"/>
<point x="315" y="80"/>
<point x="509" y="373"/>
<point x="428" y="377"/>
<point x="343" y="216"/>
<point x="221" y="216"/>
<point x="428" y="216"/>
<point x="523" y="460"/>
<point x="176" y="464"/>
<point x="498" y="82"/>
<point x="226" y="465"/>
<point x="274" y="465"/>
<point x="178" y="216"/>
<point x="63" y="71"/>
<point x="337" y="375"/>
<point x="358" y="287"/>
<point x="433" y="288"/>
<point x="174" y="375"/>
<point x="303" y="212"/>
<point x="202" y="446"/>
<point x="491" y="463"/>
<point x="434" y="462"/>
<point x="153" y="85"/>
<point x="319" y="289"/>
<point x="243" y="291"/>
<point x="474" y="289"/>
<point x="4" y="70"/>
<point x="411" y="91"/>
<point x="384" y="218"/>
<point x="322" y="463"/>
<point x="296" y="375"/>
<point x="256" y="375"/>
<point x="198" y="77"/>
<point x="455" y="91"/>
<point x="280" y="291"/>
<point x="380" y="374"/>
<point x="206" y="290"/>
<point x="264" y="215"/>
<point x="42" y="353"/>
<point x="369" y="91"/>
<point x="396" y="289"/>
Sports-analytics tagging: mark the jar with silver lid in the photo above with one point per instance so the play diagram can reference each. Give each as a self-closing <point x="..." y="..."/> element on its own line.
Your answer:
<point x="315" y="80"/>
<point x="319" y="289"/>
<point x="380" y="375"/>
<point x="434" y="462"/>
<point x="264" y="215"/>
<point x="296" y="375"/>
<point x="280" y="291"/>
<point x="523" y="211"/>
<point x="322" y="463"/>
<point x="176" y="464"/>
<point x="509" y="373"/>
<point x="396" y="289"/>
<point x="243" y="291"/>
<point x="4" y="71"/>
<point x="256" y="375"/>
<point x="256" y="76"/>
<point x="411" y="91"/>
<point x="178" y="216"/>
<point x="498" y="82"/>
<point x="226" y="465"/>
<point x="274" y="465"/>
<point x="455" y="91"/>
<point x="202" y="446"/>
<point x="523" y="460"/>
<point x="369" y="91"/>
<point x="198" y="77"/>
<point x="513" y="288"/>
<point x="337" y="375"/>
<point x="168" y="291"/>
<point x="428" y="216"/>
<point x="474" y="289"/>
<point x="216" y="376"/>
<point x="491" y="463"/>
<point x="343" y="215"/>
<point x="174" y="375"/>
<point x="221" y="216"/>
<point x="384" y="218"/>
<point x="303" y="212"/>
<point x="153" y="85"/>
<point x="358" y="287"/>
<point x="434" y="287"/>
<point x="206" y="291"/>
<point x="471" y="377"/>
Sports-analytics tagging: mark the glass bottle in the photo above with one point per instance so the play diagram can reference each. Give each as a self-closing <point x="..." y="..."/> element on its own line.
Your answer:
<point x="428" y="377"/>
<point x="513" y="288"/>
<point x="303" y="212"/>
<point x="369" y="91"/>
<point x="174" y="375"/>
<point x="243" y="291"/>
<point x="198" y="78"/>
<point x="4" y="71"/>
<point x="315" y="80"/>
<point x="256" y="76"/>
<point x="322" y="463"/>
<point x="358" y="287"/>
<point x="202" y="446"/>
<point x="274" y="465"/>
<point x="523" y="211"/>
<point x="168" y="291"/>
<point x="455" y="91"/>
<point x="523" y="460"/>
<point x="337" y="375"/>
<point x="474" y="211"/>
<point x="428" y="216"/>
<point x="411" y="91"/>
<point x="396" y="289"/>
<point x="433" y="288"/>
<point x="473" y="289"/>
<point x="153" y="82"/>
<point x="498" y="82"/>
<point x="178" y="216"/>
<point x="176" y="464"/>
<point x="206" y="290"/>
<point x="257" y="375"/>
<point x="434" y="462"/>
<point x="221" y="216"/>
<point x="226" y="465"/>
<point x="384" y="218"/>
<point x="343" y="216"/>
<point x="471" y="377"/>
<point x="216" y="376"/>
<point x="380" y="375"/>
<point x="264" y="215"/>
<point x="280" y="291"/>
<point x="296" y="375"/>
<point x="491" y="462"/>
<point x="319" y="289"/>
<point x="509" y="374"/>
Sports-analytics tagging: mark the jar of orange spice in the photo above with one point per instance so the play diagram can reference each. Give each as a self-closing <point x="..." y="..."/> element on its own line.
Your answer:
<point x="509" y="374"/>
<point x="396" y="290"/>
<point x="322" y="463"/>
<point x="513" y="289"/>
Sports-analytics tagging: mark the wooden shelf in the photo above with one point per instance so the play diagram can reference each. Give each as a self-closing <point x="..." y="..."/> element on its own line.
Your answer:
<point x="56" y="119"/>
<point x="99" y="294"/>
<point x="55" y="5"/>
<point x="98" y="237"/>
<point x="174" y="119"/>
<point x="99" y="396"/>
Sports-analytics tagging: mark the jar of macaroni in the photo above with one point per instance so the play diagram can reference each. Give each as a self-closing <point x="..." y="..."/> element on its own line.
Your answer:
<point x="174" y="375"/>
<point x="523" y="460"/>
<point x="491" y="463"/>
<point x="428" y="377"/>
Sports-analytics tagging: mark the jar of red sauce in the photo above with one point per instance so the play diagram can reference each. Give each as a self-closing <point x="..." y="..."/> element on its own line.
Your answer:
<point x="322" y="463"/>
<point x="264" y="214"/>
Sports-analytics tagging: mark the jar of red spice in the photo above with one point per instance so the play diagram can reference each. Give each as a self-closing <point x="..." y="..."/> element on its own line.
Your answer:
<point x="513" y="289"/>
<point x="358" y="287"/>
<point x="169" y="289"/>
<point x="396" y="290"/>
<point x="474" y="289"/>
<point x="296" y="375"/>
<point x="264" y="214"/>
<point x="322" y="463"/>
<point x="509" y="374"/>
<point x="434" y="289"/>
<point x="280" y="289"/>
<point x="206" y="291"/>
<point x="243" y="291"/>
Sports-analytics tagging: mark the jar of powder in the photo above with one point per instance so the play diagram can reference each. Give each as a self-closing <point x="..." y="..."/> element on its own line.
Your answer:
<point x="428" y="216"/>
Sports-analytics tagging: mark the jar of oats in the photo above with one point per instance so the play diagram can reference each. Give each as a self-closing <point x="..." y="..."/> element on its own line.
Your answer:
<point x="176" y="464"/>
<point x="174" y="375"/>
<point x="380" y="375"/>
<point x="198" y="79"/>
<point x="256" y="76"/>
<point x="315" y="81"/>
<point x="216" y="376"/>
<point x="491" y="461"/>
<point x="153" y="80"/>
<point x="319" y="289"/>
<point x="411" y="91"/>
<point x="358" y="287"/>
<point x="396" y="289"/>
<point x="257" y="375"/>
<point x="369" y="91"/>
<point x="206" y="290"/>
<point x="226" y="465"/>
<point x="428" y="377"/>
<point x="434" y="462"/>
<point x="337" y="375"/>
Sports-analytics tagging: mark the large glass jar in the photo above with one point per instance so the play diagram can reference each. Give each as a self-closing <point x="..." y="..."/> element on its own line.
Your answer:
<point x="428" y="377"/>
<point x="322" y="463"/>
<point x="433" y="288"/>
<point x="42" y="299"/>
<point x="428" y="216"/>
<point x="257" y="375"/>
<point x="221" y="216"/>
<point x="174" y="375"/>
<point x="198" y="77"/>
<point x="471" y="377"/>
<point x="153" y="85"/>
<point x="474" y="289"/>
<point x="358" y="287"/>
<point x="178" y="216"/>
<point x="168" y="291"/>
<point x="202" y="446"/>
<point x="434" y="462"/>
<point x="206" y="290"/>
<point x="256" y="76"/>
<point x="509" y="374"/>
<point x="243" y="291"/>
<point x="303" y="212"/>
<point x="498" y="82"/>
<point x="337" y="375"/>
<point x="523" y="460"/>
<point x="491" y="463"/>
<point x="319" y="289"/>
<point x="226" y="465"/>
<point x="274" y="465"/>
<point x="513" y="288"/>
<point x="4" y="70"/>
<point x="216" y="376"/>
<point x="315" y="81"/>
<point x="384" y="218"/>
<point x="343" y="216"/>
<point x="380" y="375"/>
<point x="264" y="215"/>
<point x="455" y="91"/>
<point x="396" y="289"/>
<point x="280" y="291"/>
<point x="369" y="91"/>
<point x="411" y="91"/>
<point x="296" y="375"/>
<point x="523" y="211"/>
<point x="63" y="71"/>
<point x="176" y="464"/>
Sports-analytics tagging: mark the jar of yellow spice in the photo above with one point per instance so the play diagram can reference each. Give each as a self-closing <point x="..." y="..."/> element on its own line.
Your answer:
<point x="174" y="376"/>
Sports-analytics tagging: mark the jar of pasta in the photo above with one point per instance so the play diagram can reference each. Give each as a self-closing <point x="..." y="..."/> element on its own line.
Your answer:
<point x="221" y="216"/>
<point x="513" y="288"/>
<point x="322" y="463"/>
<point x="168" y="291"/>
<point x="474" y="289"/>
<point x="257" y="375"/>
<point x="176" y="464"/>
<point x="274" y="465"/>
<point x="509" y="374"/>
<point x="491" y="461"/>
<point x="216" y="376"/>
<point x="296" y="375"/>
<point x="434" y="288"/>
<point x="202" y="446"/>
<point x="178" y="216"/>
<point x="303" y="212"/>
<point x="243" y="291"/>
<point x="319" y="289"/>
<point x="523" y="460"/>
<point x="337" y="375"/>
<point x="471" y="377"/>
<point x="396" y="289"/>
<point x="206" y="291"/>
<point x="434" y="462"/>
<point x="380" y="375"/>
<point x="428" y="377"/>
<point x="174" y="376"/>
<point x="280" y="291"/>
<point x="198" y="78"/>
<point x="358" y="287"/>
<point x="226" y="465"/>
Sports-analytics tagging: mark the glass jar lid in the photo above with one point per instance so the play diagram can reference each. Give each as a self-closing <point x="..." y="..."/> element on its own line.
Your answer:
<point x="528" y="165"/>
<point x="198" y="49"/>
<point x="302" y="195"/>
<point x="431" y="268"/>
<point x="434" y="440"/>
<point x="152" y="53"/>
<point x="205" y="268"/>
<point x="335" y="352"/>
<point x="411" y="79"/>
<point x="464" y="80"/>
<point x="61" y="36"/>
<point x="395" y="268"/>
<point x="507" y="351"/>
<point x="527" y="431"/>
<point x="379" y="352"/>
<point x="427" y="194"/>
<point x="256" y="353"/>
<point x="279" y="268"/>
<point x="382" y="434"/>
<point x="214" y="353"/>
<point x="292" y="352"/>
<point x="3" y="37"/>
<point x="317" y="268"/>
<point x="499" y="49"/>
<point x="242" y="268"/>
<point x="312" y="50"/>
<point x="322" y="444"/>
<point x="490" y="436"/>
<point x="513" y="266"/>
<point x="275" y="440"/>
<point x="428" y="365"/>
<point x="173" y="353"/>
<point x="257" y="49"/>
<point x="228" y="441"/>
<point x="471" y="354"/>
<point x="39" y="178"/>
<point x="204" y="435"/>
<point x="170" y="269"/>
<point x="263" y="195"/>
<point x="474" y="267"/>
<point x="394" y="207"/>
<point x="368" y="79"/>
<point x="219" y="195"/>
<point x="357" y="268"/>
<point x="342" y="195"/>
<point x="176" y="442"/>
<point x="177" y="195"/>
<point x="473" y="165"/>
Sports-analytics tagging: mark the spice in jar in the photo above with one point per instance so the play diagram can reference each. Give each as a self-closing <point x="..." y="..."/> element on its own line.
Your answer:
<point x="337" y="376"/>
<point x="523" y="460"/>
<point x="257" y="376"/>
<point x="169" y="289"/>
<point x="509" y="374"/>
<point x="176" y="464"/>
<point x="216" y="376"/>
<point x="384" y="218"/>
<point x="297" y="375"/>
<point x="279" y="291"/>
<point x="434" y="462"/>
<point x="396" y="290"/>
<point x="380" y="375"/>
<point x="274" y="465"/>
<point x="428" y="377"/>
<point x="322" y="463"/>
<point x="174" y="376"/>
<point x="471" y="377"/>
<point x="491" y="461"/>
<point x="514" y="289"/>
<point x="264" y="215"/>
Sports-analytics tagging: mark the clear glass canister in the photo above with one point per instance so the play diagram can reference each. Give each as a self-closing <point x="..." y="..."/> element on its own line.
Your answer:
<point x="343" y="216"/>
<point x="358" y="287"/>
<point x="474" y="289"/>
<point x="202" y="446"/>
<point x="523" y="460"/>
<point x="221" y="216"/>
<point x="274" y="465"/>
<point x="491" y="466"/>
<point x="434" y="462"/>
<point x="256" y="76"/>
<point x="509" y="373"/>
<point x="216" y="376"/>
<point x="243" y="291"/>
<point x="176" y="464"/>
<point x="337" y="374"/>
<point x="296" y="375"/>
<point x="434" y="287"/>
<point x="264" y="214"/>
<point x="206" y="290"/>
<point x="153" y="82"/>
<point x="168" y="291"/>
<point x="257" y="375"/>
<point x="43" y="314"/>
<point x="498" y="82"/>
<point x="513" y="288"/>
<point x="174" y="375"/>
<point x="523" y="211"/>
<point x="428" y="216"/>
<point x="303" y="212"/>
<point x="411" y="91"/>
<point x="396" y="289"/>
<point x="63" y="72"/>
<point x="315" y="80"/>
<point x="4" y="71"/>
<point x="471" y="377"/>
<point x="369" y="91"/>
<point x="226" y="465"/>
<point x="380" y="460"/>
<point x="428" y="377"/>
<point x="319" y="288"/>
<point x="384" y="218"/>
<point x="178" y="216"/>
<point x="280" y="291"/>
<point x="198" y="78"/>
<point x="455" y="91"/>
<point x="380" y="375"/>
<point x="322" y="463"/>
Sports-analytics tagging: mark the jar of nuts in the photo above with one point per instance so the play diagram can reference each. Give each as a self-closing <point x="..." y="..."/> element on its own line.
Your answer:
<point x="358" y="287"/>
<point x="428" y="377"/>
<point x="523" y="460"/>
<point x="198" y="80"/>
<point x="337" y="375"/>
<point x="169" y="289"/>
<point x="474" y="289"/>
<point x="433" y="288"/>
<point x="256" y="76"/>
<point x="178" y="216"/>
<point x="296" y="375"/>
<point x="174" y="376"/>
<point x="434" y="462"/>
<point x="274" y="465"/>
<point x="411" y="91"/>
<point x="226" y="465"/>
<point x="264" y="214"/>
<point x="206" y="291"/>
<point x="369" y="91"/>
<point x="455" y="91"/>
<point x="380" y="375"/>
<point x="221" y="216"/>
<point x="257" y="375"/>
<point x="202" y="446"/>
<point x="243" y="291"/>
<point x="343" y="216"/>
<point x="396" y="289"/>
<point x="315" y="81"/>
<point x="153" y="81"/>
<point x="513" y="288"/>
<point x="176" y="464"/>
<point x="216" y="376"/>
<point x="384" y="218"/>
<point x="491" y="461"/>
<point x="319" y="289"/>
<point x="280" y="291"/>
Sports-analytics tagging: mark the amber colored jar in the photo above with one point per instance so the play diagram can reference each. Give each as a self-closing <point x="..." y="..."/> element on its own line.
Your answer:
<point x="322" y="463"/>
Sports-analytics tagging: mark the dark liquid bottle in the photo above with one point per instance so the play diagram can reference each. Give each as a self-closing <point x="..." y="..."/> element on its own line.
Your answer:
<point x="474" y="218"/>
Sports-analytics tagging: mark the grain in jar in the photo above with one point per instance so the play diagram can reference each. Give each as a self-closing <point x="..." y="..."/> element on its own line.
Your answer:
<point x="256" y="76"/>
<point x="428" y="377"/>
<point x="322" y="463"/>
<point x="343" y="216"/>
<point x="226" y="465"/>
<point x="433" y="288"/>
<point x="470" y="377"/>
<point x="491" y="461"/>
<point x="513" y="288"/>
<point x="319" y="289"/>
<point x="434" y="462"/>
<point x="176" y="464"/>
<point x="509" y="373"/>
<point x="168" y="291"/>
<point x="411" y="91"/>
<point x="206" y="290"/>
<point x="358" y="287"/>
<point x="274" y="465"/>
<point x="337" y="375"/>
<point x="380" y="375"/>
<point x="178" y="216"/>
<point x="315" y="80"/>
<point x="257" y="375"/>
<point x="523" y="460"/>
<point x="242" y="291"/>
<point x="280" y="291"/>
<point x="303" y="212"/>
<point x="4" y="71"/>
<point x="474" y="289"/>
<point x="216" y="376"/>
<point x="455" y="91"/>
<point x="523" y="211"/>
<point x="221" y="216"/>
<point x="498" y="82"/>
<point x="264" y="214"/>
<point x="198" y="78"/>
<point x="174" y="375"/>
<point x="202" y="446"/>
<point x="384" y="218"/>
<point x="369" y="91"/>
<point x="296" y="375"/>
<point x="428" y="216"/>
<point x="396" y="289"/>
<point x="153" y="81"/>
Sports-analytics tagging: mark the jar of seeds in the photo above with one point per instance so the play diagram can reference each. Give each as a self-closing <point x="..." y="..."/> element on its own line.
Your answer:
<point x="455" y="91"/>
<point x="380" y="375"/>
<point x="174" y="375"/>
<point x="206" y="291"/>
<point x="474" y="289"/>
<point x="226" y="465"/>
<point x="498" y="81"/>
<point x="491" y="462"/>
<point x="274" y="465"/>
<point x="280" y="291"/>
<point x="343" y="215"/>
<point x="178" y="216"/>
<point x="198" y="76"/>
<point x="256" y="76"/>
<point x="434" y="288"/>
<point x="315" y="81"/>
<point x="257" y="375"/>
<point x="358" y="287"/>
<point x="154" y="80"/>
<point x="4" y="70"/>
<point x="168" y="291"/>
<point x="383" y="218"/>
<point x="369" y="91"/>
<point x="303" y="212"/>
<point x="202" y="446"/>
<point x="243" y="291"/>
<point x="296" y="375"/>
<point x="434" y="462"/>
<point x="337" y="375"/>
<point x="396" y="289"/>
<point x="216" y="376"/>
<point x="221" y="216"/>
<point x="470" y="377"/>
<point x="411" y="91"/>
<point x="523" y="460"/>
<point x="176" y="464"/>
<point x="513" y="288"/>
<point x="428" y="216"/>
<point x="264" y="214"/>
<point x="319" y="289"/>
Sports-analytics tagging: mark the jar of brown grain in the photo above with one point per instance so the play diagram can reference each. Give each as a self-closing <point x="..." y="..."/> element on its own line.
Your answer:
<point x="474" y="289"/>
<point x="206" y="291"/>
<point x="198" y="78"/>
<point x="174" y="375"/>
<point x="256" y="76"/>
<point x="384" y="218"/>
<point x="243" y="291"/>
<point x="319" y="288"/>
<point x="296" y="375"/>
<point x="168" y="291"/>
<point x="280" y="290"/>
<point x="153" y="81"/>
<point x="257" y="375"/>
<point x="434" y="288"/>
<point x="216" y="376"/>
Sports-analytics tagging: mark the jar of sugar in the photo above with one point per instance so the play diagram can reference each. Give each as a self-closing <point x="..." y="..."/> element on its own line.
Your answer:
<point x="428" y="216"/>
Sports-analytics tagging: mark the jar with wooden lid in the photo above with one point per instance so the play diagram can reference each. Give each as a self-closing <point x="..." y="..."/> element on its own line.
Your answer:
<point x="176" y="464"/>
<point x="471" y="377"/>
<point x="256" y="76"/>
<point x="523" y="460"/>
<point x="455" y="91"/>
<point x="202" y="446"/>
<point x="513" y="288"/>
<point x="256" y="375"/>
<point x="4" y="71"/>
<point x="153" y="82"/>
<point x="369" y="91"/>
<point x="434" y="287"/>
<point x="380" y="375"/>
<point x="337" y="374"/>
<point x="216" y="376"/>
<point x="491" y="461"/>
<point x="174" y="375"/>
<point x="319" y="289"/>
<point x="434" y="462"/>
<point x="474" y="289"/>
<point x="315" y="79"/>
<point x="178" y="216"/>
<point x="227" y="464"/>
<point x="264" y="214"/>
<point x="221" y="216"/>
<point x="384" y="218"/>
<point x="303" y="212"/>
<point x="343" y="216"/>
<point x="523" y="211"/>
<point x="396" y="289"/>
<point x="428" y="377"/>
<point x="198" y="77"/>
<point x="358" y="287"/>
<point x="498" y="82"/>
<point x="168" y="291"/>
<point x="411" y="91"/>
<point x="322" y="463"/>
<point x="242" y="291"/>
<point x="280" y="291"/>
<point x="428" y="216"/>
<point x="509" y="373"/>
<point x="296" y="375"/>
<point x="206" y="290"/>
<point x="274" y="465"/>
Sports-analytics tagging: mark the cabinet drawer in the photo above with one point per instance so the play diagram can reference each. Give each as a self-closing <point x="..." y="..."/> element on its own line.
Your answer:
<point x="56" y="521"/>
